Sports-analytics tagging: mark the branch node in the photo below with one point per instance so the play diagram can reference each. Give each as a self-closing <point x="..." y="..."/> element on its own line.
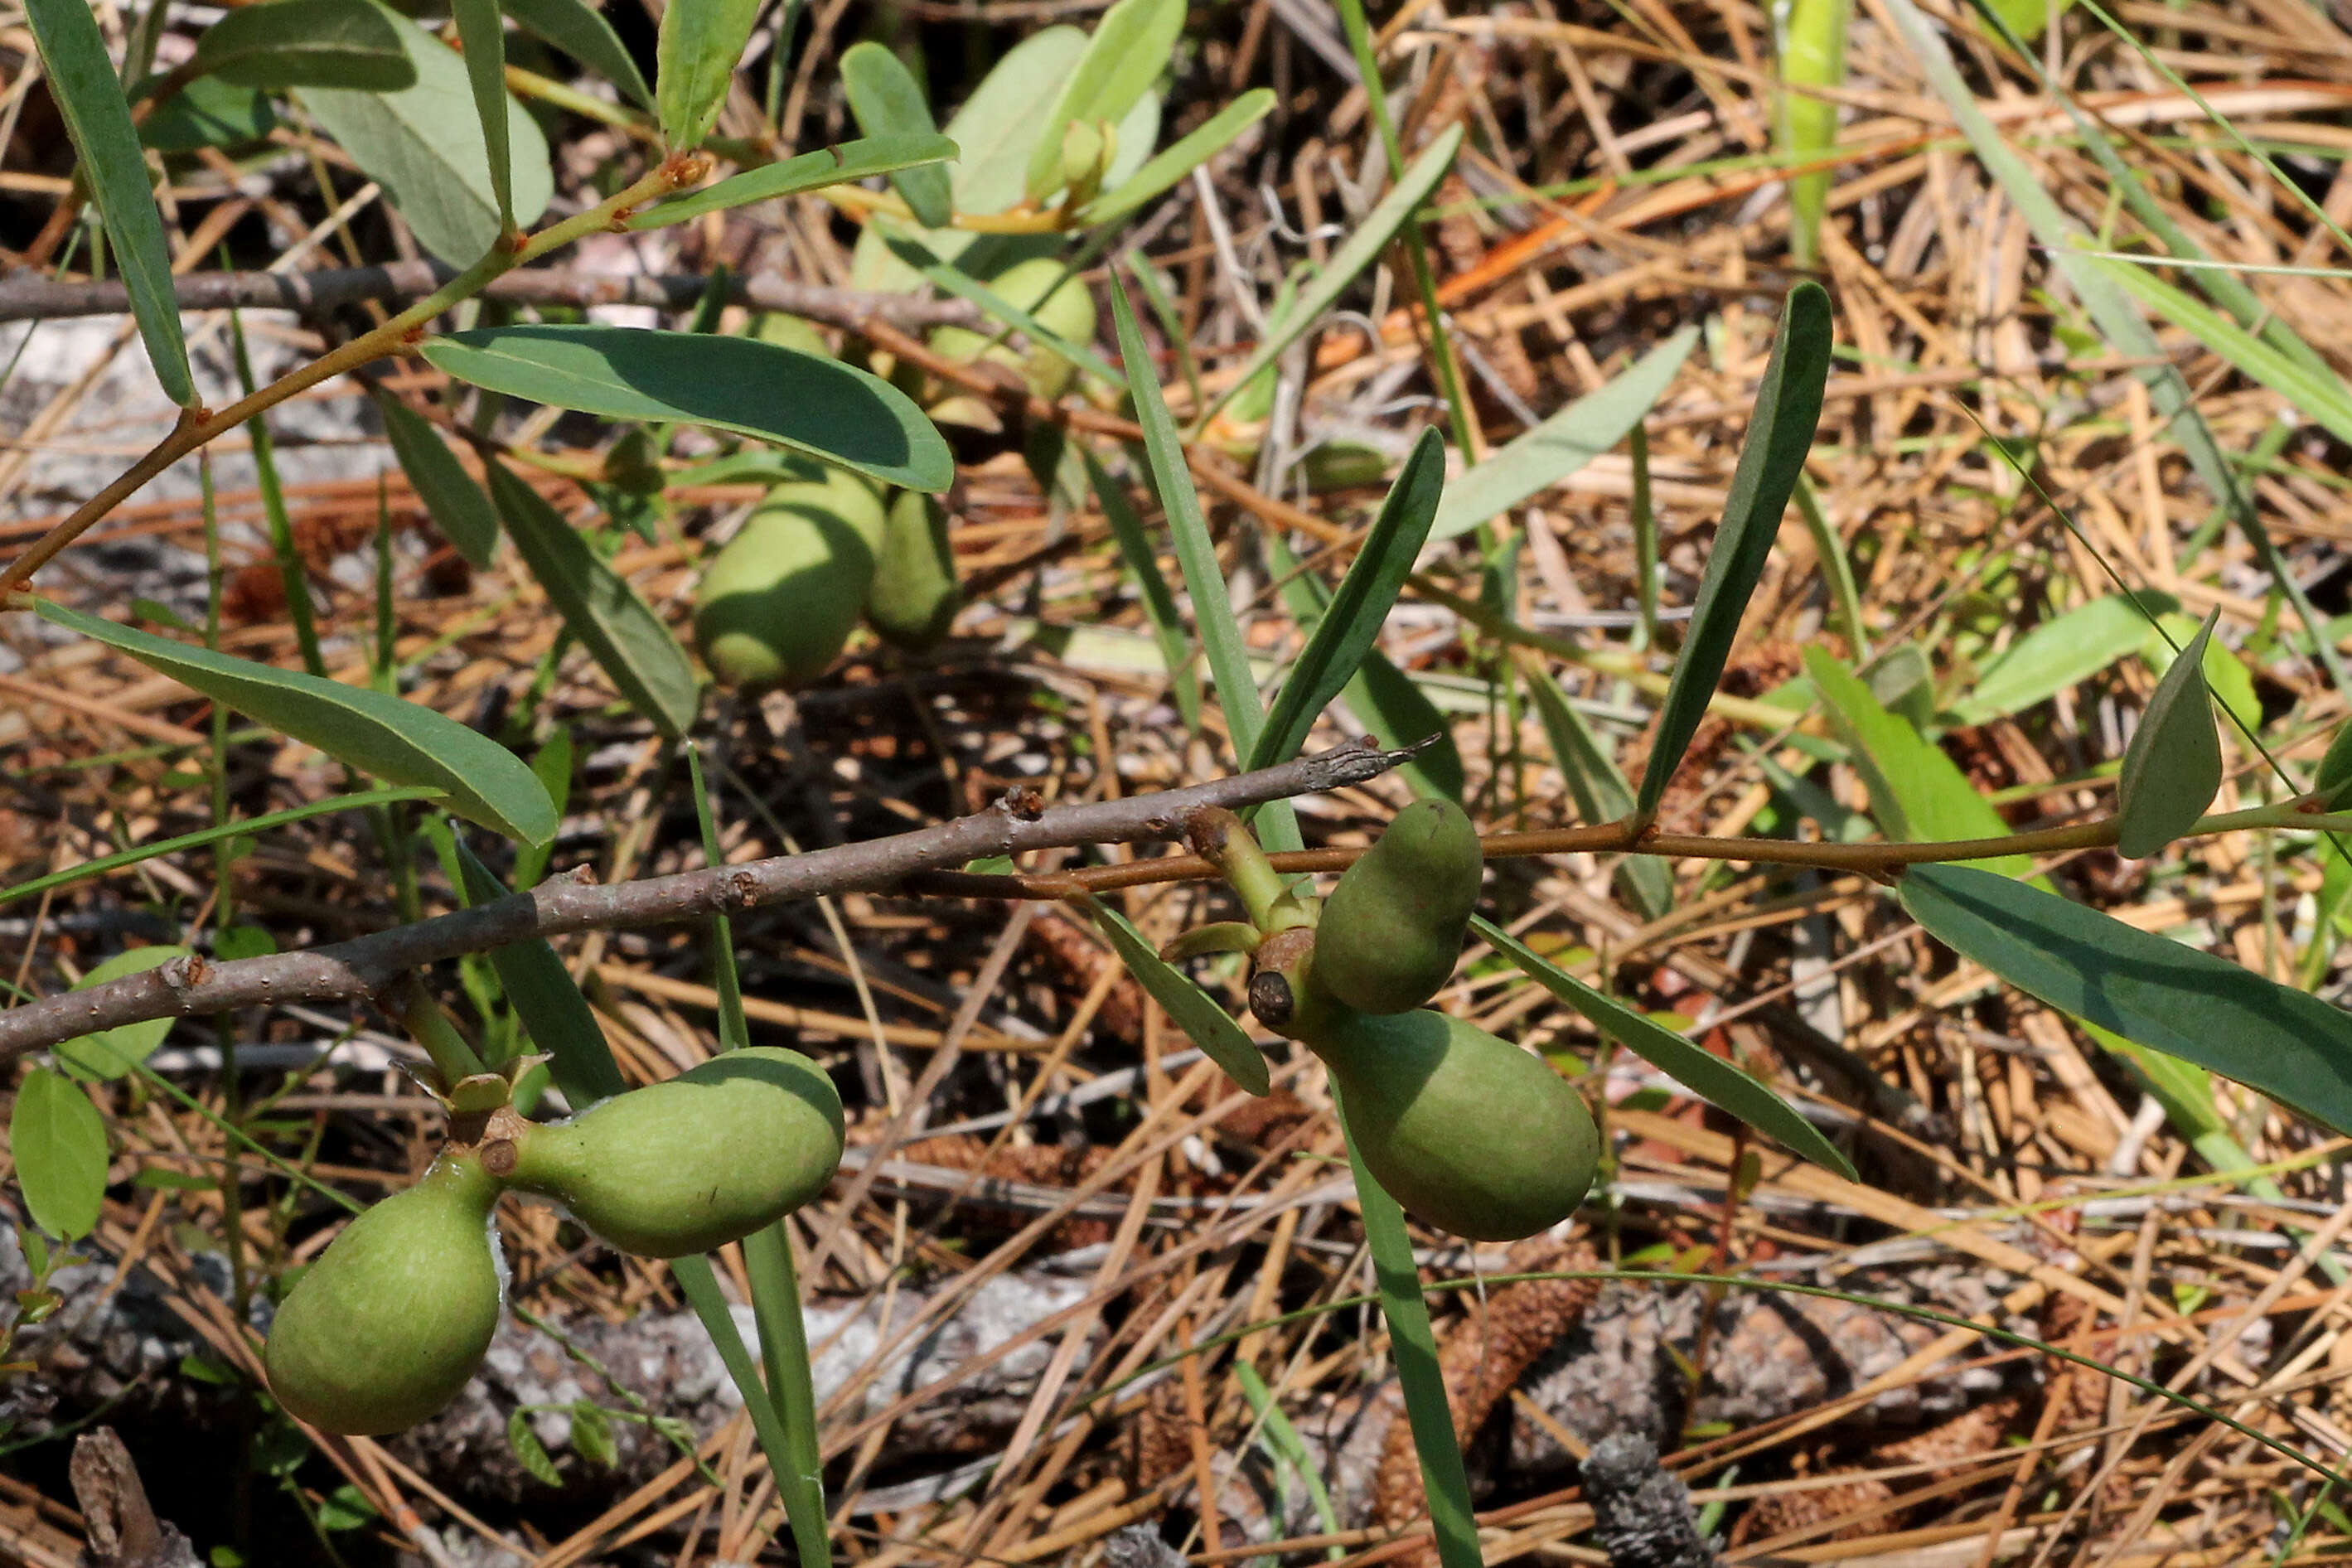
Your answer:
<point x="1023" y="803"/>
<point x="185" y="972"/>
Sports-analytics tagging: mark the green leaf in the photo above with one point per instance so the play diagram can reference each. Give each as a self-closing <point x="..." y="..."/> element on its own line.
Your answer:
<point x="842" y="165"/>
<point x="375" y="733"/>
<point x="2167" y="996"/>
<point x="964" y="286"/>
<point x="695" y="59"/>
<point x="807" y="402"/>
<point x="529" y="1451"/>
<point x="1193" y="1009"/>
<point x="2059" y="653"/>
<point x="557" y="1017"/>
<point x="424" y="144"/>
<point x="888" y="101"/>
<point x="2225" y="673"/>
<point x="59" y="1142"/>
<point x="1917" y="794"/>
<point x="1360" y="608"/>
<point x="1533" y="462"/>
<point x="1361" y="248"/>
<point x="2315" y="392"/>
<point x="2172" y="769"/>
<point x="1159" y="607"/>
<point x="111" y="1052"/>
<point x="1602" y="792"/>
<point x="1181" y="158"/>
<point x="1812" y="54"/>
<point x="483" y="33"/>
<point x="352" y="44"/>
<point x="81" y="80"/>
<point x="997" y="124"/>
<point x="592" y="1434"/>
<point x="1126" y="55"/>
<point x="629" y="642"/>
<point x="208" y="113"/>
<point x="1787" y="408"/>
<point x="457" y="506"/>
<point x="1720" y="1083"/>
<point x="581" y="31"/>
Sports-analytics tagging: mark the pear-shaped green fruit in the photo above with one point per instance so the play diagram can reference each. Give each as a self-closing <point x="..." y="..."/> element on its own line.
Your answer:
<point x="1067" y="311"/>
<point x="1469" y="1132"/>
<point x="777" y="604"/>
<point x="693" y="1162"/>
<point x="916" y="595"/>
<point x="1393" y="929"/>
<point x="390" y="1322"/>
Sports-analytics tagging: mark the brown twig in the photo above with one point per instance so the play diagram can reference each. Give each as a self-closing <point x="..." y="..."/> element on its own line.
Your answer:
<point x="350" y="970"/>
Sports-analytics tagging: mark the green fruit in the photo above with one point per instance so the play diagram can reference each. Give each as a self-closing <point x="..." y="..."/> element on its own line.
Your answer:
<point x="1068" y="312"/>
<point x="914" y="596"/>
<point x="1469" y="1132"/>
<point x="1393" y="929"/>
<point x="694" y="1163"/>
<point x="777" y="604"/>
<point x="387" y="1326"/>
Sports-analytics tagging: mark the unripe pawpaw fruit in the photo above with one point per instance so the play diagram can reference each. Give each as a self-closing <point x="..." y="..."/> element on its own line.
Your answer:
<point x="1068" y="312"/>
<point x="776" y="605"/>
<point x="915" y="595"/>
<point x="692" y="1162"/>
<point x="1393" y="929"/>
<point x="390" y="1322"/>
<point x="1469" y="1132"/>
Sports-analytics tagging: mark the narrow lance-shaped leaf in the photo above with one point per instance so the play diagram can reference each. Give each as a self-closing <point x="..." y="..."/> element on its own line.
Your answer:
<point x="1541" y="457"/>
<point x="1372" y="238"/>
<point x="2062" y="652"/>
<point x="695" y="59"/>
<point x="396" y="740"/>
<point x="805" y="402"/>
<point x="628" y="641"/>
<point x="842" y="165"/>
<point x="484" y="34"/>
<point x="2172" y="769"/>
<point x="1159" y="607"/>
<point x="59" y="1142"/>
<point x="547" y="1000"/>
<point x="106" y="147"/>
<point x="1360" y="608"/>
<point x="964" y="286"/>
<point x="1787" y="408"/>
<point x="1194" y="1010"/>
<point x="1165" y="168"/>
<point x="1127" y="53"/>
<point x="307" y="43"/>
<point x="580" y="30"/>
<point x="1602" y="792"/>
<point x="457" y="504"/>
<point x="2163" y="994"/>
<point x="888" y="101"/>
<point x="1720" y="1083"/>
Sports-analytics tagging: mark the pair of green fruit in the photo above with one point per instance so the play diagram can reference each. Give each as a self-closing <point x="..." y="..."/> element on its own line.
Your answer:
<point x="387" y="1326"/>
<point x="1469" y="1132"/>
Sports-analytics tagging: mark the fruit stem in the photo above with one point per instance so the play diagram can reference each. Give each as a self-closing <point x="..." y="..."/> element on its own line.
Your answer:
<point x="452" y="1060"/>
<point x="1222" y="839"/>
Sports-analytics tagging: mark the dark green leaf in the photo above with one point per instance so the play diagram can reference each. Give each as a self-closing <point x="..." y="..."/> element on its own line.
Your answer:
<point x="208" y="113"/>
<point x="1187" y="154"/>
<point x="1126" y="55"/>
<point x="378" y="735"/>
<point x="529" y="1451"/>
<point x="1195" y="1011"/>
<point x="628" y="641"/>
<point x="1360" y="608"/>
<point x="350" y="43"/>
<point x="2333" y="781"/>
<point x="1543" y="456"/>
<point x="111" y="1052"/>
<point x="695" y="60"/>
<point x="580" y="30"/>
<point x="809" y="404"/>
<point x="2172" y="769"/>
<point x="424" y="144"/>
<point x="483" y="33"/>
<point x="888" y="101"/>
<point x="2158" y="992"/>
<point x="559" y="1020"/>
<point x="1160" y="608"/>
<point x="842" y="165"/>
<point x="59" y="1142"/>
<point x="1602" y="792"/>
<point x="1787" y="408"/>
<point x="457" y="506"/>
<point x="1718" y="1082"/>
<point x="1917" y="792"/>
<point x="81" y="80"/>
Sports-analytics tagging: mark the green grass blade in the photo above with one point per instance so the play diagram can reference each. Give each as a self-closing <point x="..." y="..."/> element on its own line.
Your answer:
<point x="1787" y="408"/>
<point x="1602" y="791"/>
<point x="1160" y="609"/>
<point x="548" y="1001"/>
<point x="1812" y="54"/>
